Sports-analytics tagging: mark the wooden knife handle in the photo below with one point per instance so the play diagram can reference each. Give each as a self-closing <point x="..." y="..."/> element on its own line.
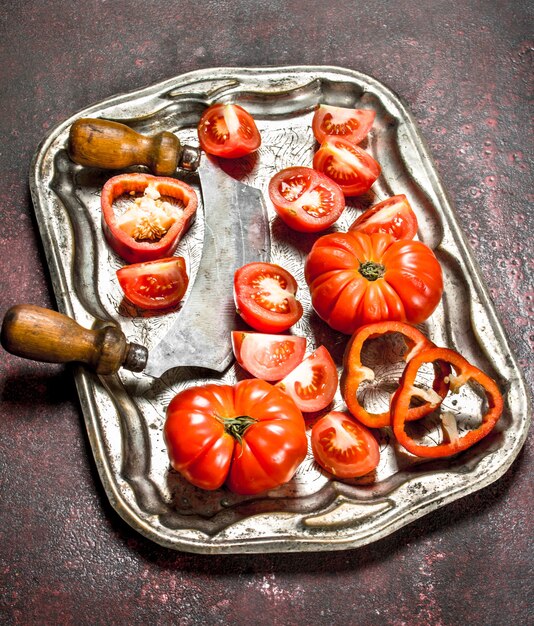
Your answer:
<point x="114" y="146"/>
<point x="43" y="335"/>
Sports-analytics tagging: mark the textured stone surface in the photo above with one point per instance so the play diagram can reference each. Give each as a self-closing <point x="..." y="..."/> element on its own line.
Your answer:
<point x="465" y="70"/>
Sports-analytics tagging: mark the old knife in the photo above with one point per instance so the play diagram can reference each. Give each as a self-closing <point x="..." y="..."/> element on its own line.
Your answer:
<point x="236" y="232"/>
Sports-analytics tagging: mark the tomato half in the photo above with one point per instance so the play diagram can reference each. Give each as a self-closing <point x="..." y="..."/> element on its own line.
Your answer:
<point x="269" y="357"/>
<point x="357" y="279"/>
<point x="264" y="295"/>
<point x="158" y="212"/>
<point x="393" y="215"/>
<point x="305" y="199"/>
<point x="155" y="284"/>
<point x="227" y="130"/>
<point x="350" y="124"/>
<point x="352" y="168"/>
<point x="313" y="383"/>
<point x="251" y="436"/>
<point x="343" y="446"/>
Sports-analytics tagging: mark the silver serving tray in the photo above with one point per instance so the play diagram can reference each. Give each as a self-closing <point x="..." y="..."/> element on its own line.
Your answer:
<point x="124" y="414"/>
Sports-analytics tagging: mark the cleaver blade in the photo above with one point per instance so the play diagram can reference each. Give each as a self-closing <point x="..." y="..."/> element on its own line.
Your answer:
<point x="236" y="232"/>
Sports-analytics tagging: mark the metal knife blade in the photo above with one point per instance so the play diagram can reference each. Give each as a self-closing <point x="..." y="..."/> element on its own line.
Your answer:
<point x="236" y="232"/>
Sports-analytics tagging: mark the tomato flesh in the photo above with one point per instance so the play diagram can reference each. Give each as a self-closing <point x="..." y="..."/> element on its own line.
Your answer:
<point x="228" y="131"/>
<point x="155" y="284"/>
<point x="350" y="124"/>
<point x="265" y="356"/>
<point x="393" y="216"/>
<point x="343" y="446"/>
<point x="305" y="199"/>
<point x="352" y="168"/>
<point x="313" y="383"/>
<point x="265" y="297"/>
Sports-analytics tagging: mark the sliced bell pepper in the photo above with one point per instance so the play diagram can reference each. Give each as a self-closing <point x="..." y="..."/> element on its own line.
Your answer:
<point x="464" y="372"/>
<point x="354" y="372"/>
<point x="153" y="226"/>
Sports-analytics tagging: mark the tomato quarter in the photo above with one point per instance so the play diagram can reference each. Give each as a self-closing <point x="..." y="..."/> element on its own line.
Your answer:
<point x="357" y="279"/>
<point x="264" y="295"/>
<point x="343" y="446"/>
<point x="350" y="124"/>
<point x="352" y="168"/>
<point x="393" y="216"/>
<point x="269" y="357"/>
<point x="305" y="199"/>
<point x="155" y="284"/>
<point x="251" y="436"/>
<point x="227" y="130"/>
<point x="313" y="383"/>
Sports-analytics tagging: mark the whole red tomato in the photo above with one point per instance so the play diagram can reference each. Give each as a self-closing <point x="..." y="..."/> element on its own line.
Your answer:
<point x="357" y="279"/>
<point x="251" y="436"/>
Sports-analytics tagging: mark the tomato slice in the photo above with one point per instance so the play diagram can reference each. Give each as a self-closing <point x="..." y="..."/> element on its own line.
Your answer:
<point x="269" y="357"/>
<point x="313" y="384"/>
<point x="228" y="131"/>
<point x="393" y="215"/>
<point x="155" y="284"/>
<point x="350" y="124"/>
<point x="343" y="446"/>
<point x="352" y="168"/>
<point x="305" y="199"/>
<point x="264" y="294"/>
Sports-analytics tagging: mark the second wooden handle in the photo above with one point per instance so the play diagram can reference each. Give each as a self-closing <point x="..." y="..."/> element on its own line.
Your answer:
<point x="40" y="334"/>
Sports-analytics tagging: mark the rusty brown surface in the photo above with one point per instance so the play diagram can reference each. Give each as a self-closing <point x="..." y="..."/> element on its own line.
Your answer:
<point x="65" y="557"/>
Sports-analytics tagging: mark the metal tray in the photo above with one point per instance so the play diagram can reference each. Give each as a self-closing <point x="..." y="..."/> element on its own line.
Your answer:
<point x="124" y="414"/>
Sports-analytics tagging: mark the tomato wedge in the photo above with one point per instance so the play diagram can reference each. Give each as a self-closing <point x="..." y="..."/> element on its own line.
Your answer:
<point x="228" y="131"/>
<point x="158" y="212"/>
<point x="155" y="284"/>
<point x="269" y="357"/>
<point x="393" y="216"/>
<point x="313" y="384"/>
<point x="352" y="168"/>
<point x="264" y="294"/>
<point x="343" y="446"/>
<point x="350" y="124"/>
<point x="305" y="199"/>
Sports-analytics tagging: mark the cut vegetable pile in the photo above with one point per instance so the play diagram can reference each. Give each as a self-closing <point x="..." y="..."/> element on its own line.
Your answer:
<point x="368" y="283"/>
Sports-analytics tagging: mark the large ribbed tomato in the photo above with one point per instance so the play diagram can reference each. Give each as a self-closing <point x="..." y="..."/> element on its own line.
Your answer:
<point x="357" y="279"/>
<point x="250" y="436"/>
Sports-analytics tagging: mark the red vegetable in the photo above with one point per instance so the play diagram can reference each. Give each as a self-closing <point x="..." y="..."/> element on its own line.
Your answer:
<point x="264" y="294"/>
<point x="393" y="216"/>
<point x="350" y="124"/>
<point x="313" y="383"/>
<point x="464" y="373"/>
<point x="151" y="228"/>
<point x="269" y="357"/>
<point x="155" y="284"/>
<point x="352" y="168"/>
<point x="344" y="447"/>
<point x="250" y="435"/>
<point x="305" y="199"/>
<point x="357" y="279"/>
<point x="227" y="130"/>
<point x="354" y="372"/>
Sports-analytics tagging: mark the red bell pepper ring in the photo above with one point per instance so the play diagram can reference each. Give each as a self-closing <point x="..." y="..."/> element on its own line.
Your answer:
<point x="126" y="246"/>
<point x="354" y="372"/>
<point x="464" y="372"/>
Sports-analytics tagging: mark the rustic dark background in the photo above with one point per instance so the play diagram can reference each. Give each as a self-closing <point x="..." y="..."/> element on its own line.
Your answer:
<point x="465" y="68"/>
